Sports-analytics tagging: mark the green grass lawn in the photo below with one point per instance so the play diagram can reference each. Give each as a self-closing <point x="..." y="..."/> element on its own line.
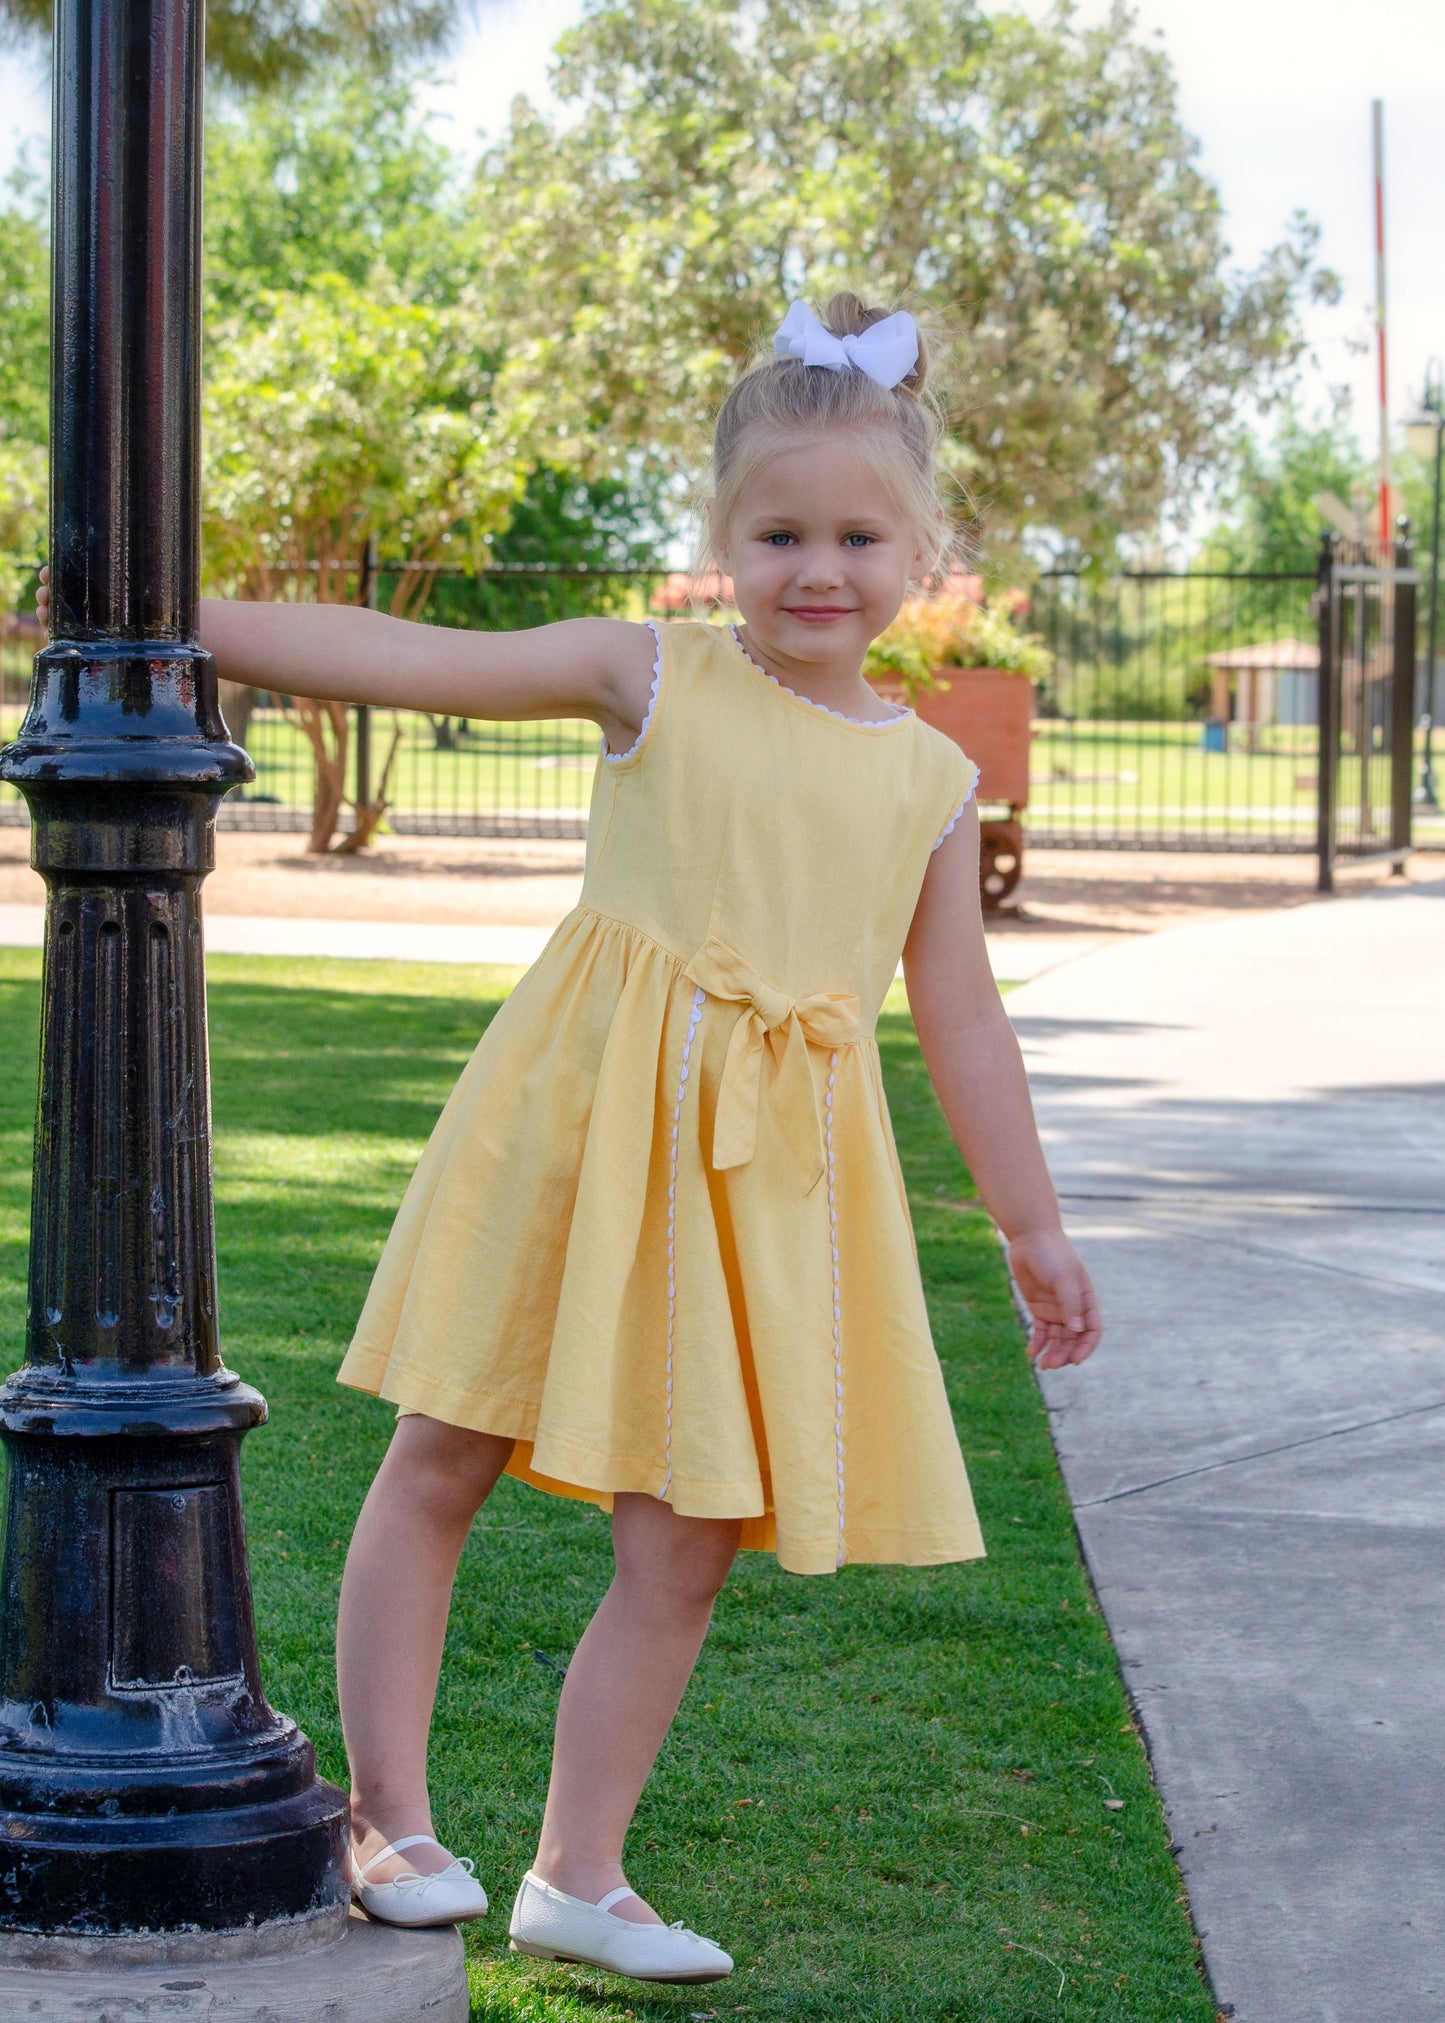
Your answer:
<point x="886" y="1790"/>
<point x="1142" y="779"/>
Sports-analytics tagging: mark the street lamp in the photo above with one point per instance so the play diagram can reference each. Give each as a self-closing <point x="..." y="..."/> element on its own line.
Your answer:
<point x="1424" y="434"/>
<point x="146" y="1788"/>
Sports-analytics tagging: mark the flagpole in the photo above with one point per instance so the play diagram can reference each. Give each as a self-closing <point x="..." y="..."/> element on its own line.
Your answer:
<point x="1386" y="515"/>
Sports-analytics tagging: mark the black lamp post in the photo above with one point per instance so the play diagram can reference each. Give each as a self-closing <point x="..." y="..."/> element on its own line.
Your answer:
<point x="1424" y="432"/>
<point x="145" y="1784"/>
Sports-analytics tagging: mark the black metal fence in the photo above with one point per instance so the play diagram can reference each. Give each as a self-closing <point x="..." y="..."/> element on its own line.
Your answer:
<point x="1181" y="713"/>
<point x="1368" y="703"/>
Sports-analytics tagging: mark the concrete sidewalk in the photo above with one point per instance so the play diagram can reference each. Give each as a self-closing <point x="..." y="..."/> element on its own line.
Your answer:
<point x="512" y="944"/>
<point x="1246" y="1120"/>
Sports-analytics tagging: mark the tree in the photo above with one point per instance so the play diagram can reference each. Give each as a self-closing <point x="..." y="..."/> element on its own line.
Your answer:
<point x="597" y="523"/>
<point x="24" y="317"/>
<point x="330" y="177"/>
<point x="24" y="390"/>
<point x="340" y="178"/>
<point x="1030" y="183"/>
<point x="1271" y="521"/>
<point x="337" y="413"/>
<point x="23" y="499"/>
<point x="261" y="43"/>
<point x="349" y="377"/>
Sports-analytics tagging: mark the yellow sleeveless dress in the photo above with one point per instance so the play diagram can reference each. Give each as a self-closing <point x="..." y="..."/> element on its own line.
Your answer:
<point x="659" y="1236"/>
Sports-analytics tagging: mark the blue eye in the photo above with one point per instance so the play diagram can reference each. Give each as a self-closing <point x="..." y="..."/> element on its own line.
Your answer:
<point x="866" y="540"/>
<point x="777" y="540"/>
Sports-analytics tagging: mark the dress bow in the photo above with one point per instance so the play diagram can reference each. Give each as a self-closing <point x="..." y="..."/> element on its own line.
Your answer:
<point x="771" y="1023"/>
<point x="887" y="352"/>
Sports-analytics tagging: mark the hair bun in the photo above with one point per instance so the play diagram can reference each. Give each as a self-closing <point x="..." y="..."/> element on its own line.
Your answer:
<point x="848" y="315"/>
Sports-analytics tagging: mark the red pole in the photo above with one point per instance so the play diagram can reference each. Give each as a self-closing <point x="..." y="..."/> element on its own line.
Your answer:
<point x="1377" y="123"/>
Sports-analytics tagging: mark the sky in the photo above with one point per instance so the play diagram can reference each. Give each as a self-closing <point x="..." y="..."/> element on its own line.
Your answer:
<point x="1277" y="91"/>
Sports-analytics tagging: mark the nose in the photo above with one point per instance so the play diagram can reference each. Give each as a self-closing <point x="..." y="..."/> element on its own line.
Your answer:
<point x="819" y="568"/>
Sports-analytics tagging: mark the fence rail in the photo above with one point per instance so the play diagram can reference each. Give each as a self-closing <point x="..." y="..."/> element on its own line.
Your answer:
<point x="1181" y="714"/>
<point x="1146" y="739"/>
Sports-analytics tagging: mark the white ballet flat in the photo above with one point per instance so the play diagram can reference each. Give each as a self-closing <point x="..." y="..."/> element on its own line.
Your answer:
<point x="447" y="1898"/>
<point x="550" y="1925"/>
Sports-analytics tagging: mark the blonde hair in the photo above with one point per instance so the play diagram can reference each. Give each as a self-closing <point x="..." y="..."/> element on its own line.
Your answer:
<point x="779" y="402"/>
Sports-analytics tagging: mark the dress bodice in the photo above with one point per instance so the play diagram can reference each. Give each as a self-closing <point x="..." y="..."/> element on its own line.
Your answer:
<point x="749" y="819"/>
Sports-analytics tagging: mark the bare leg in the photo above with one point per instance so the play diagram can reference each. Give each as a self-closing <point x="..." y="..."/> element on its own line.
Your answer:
<point x="623" y="1687"/>
<point x="395" y="1595"/>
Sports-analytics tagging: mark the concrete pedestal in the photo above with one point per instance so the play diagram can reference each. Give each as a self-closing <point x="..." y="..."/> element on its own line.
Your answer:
<point x="373" y="1973"/>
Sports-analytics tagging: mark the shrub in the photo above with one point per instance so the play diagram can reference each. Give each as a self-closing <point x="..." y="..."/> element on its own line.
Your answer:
<point x="952" y="630"/>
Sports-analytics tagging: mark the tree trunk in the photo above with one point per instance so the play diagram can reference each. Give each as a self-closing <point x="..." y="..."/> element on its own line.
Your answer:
<point x="369" y="813"/>
<point x="326" y="726"/>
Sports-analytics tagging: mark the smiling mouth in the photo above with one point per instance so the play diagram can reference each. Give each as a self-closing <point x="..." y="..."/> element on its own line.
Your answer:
<point x="819" y="610"/>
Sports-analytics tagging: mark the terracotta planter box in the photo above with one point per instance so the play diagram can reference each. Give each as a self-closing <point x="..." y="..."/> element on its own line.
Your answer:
<point x="989" y="713"/>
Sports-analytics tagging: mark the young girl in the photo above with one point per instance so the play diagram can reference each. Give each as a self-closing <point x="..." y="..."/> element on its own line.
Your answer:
<point x="657" y="1253"/>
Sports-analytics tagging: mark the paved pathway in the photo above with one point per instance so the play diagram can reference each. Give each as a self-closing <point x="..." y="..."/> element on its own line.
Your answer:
<point x="1247" y="1122"/>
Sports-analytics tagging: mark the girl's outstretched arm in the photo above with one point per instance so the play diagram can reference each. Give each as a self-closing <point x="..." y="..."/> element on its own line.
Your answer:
<point x="583" y="667"/>
<point x="978" y="1072"/>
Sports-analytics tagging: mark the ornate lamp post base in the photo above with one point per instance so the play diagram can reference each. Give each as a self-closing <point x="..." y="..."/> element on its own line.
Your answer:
<point x="144" y="1781"/>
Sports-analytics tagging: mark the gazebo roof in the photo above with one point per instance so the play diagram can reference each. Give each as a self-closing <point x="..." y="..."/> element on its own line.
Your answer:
<point x="1272" y="657"/>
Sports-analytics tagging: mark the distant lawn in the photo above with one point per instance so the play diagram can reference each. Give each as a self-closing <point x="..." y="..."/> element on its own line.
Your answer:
<point x="1142" y="781"/>
<point x="885" y="1791"/>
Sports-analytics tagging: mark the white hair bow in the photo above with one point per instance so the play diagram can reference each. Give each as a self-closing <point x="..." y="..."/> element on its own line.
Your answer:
<point x="887" y="353"/>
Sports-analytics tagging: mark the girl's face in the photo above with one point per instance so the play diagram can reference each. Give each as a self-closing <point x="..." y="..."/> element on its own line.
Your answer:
<point x="820" y="554"/>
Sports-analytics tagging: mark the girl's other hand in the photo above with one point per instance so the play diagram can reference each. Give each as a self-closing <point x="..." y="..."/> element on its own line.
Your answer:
<point x="1059" y="1294"/>
<point x="42" y="598"/>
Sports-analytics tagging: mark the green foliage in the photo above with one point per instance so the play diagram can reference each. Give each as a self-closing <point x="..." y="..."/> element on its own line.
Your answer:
<point x="596" y="523"/>
<point x="1030" y="183"/>
<point x="954" y="630"/>
<point x="24" y="390"/>
<point x="351" y="382"/>
<point x="1415" y="481"/>
<point x="333" y="178"/>
<point x="24" y="318"/>
<point x="336" y="412"/>
<point x="1271" y="522"/>
<point x="1027" y="183"/>
<point x="24" y="486"/>
<point x="262" y="43"/>
<point x="600" y="523"/>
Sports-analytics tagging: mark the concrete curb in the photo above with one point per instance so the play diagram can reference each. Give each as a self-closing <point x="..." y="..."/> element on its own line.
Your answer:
<point x="375" y="1973"/>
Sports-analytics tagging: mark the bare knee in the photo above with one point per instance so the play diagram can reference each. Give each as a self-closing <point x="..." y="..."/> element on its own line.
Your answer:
<point x="448" y="1470"/>
<point x="680" y="1563"/>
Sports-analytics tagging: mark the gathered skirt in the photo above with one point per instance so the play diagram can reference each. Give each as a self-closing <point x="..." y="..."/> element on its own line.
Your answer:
<point x="577" y="1267"/>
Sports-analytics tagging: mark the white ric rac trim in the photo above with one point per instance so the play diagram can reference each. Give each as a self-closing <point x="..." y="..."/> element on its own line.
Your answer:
<point x="863" y="723"/>
<point x="953" y="818"/>
<point x="837" y="1299"/>
<point x="697" y="997"/>
<point x="613" y="757"/>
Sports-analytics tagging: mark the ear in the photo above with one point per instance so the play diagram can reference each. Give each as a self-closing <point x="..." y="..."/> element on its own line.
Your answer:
<point x="927" y="553"/>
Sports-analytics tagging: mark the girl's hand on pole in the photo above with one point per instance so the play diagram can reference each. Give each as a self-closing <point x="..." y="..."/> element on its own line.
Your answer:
<point x="42" y="598"/>
<point x="1060" y="1296"/>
